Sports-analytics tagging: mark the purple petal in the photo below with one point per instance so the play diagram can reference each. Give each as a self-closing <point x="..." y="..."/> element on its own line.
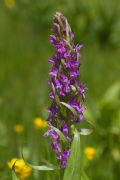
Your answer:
<point x="78" y="47"/>
<point x="55" y="146"/>
<point x="63" y="163"/>
<point x="53" y="71"/>
<point x="51" y="95"/>
<point x="64" y="129"/>
<point x="51" y="133"/>
<point x="66" y="154"/>
<point x="64" y="78"/>
<point x="53" y="39"/>
<point x="67" y="88"/>
<point x="67" y="55"/>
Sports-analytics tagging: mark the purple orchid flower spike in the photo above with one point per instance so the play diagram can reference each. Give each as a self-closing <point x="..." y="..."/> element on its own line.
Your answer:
<point x="65" y="86"/>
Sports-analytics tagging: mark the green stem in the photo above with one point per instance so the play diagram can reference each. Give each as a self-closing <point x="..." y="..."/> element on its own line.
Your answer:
<point x="61" y="174"/>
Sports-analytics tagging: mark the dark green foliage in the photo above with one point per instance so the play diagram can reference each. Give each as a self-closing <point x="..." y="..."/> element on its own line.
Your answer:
<point x="107" y="136"/>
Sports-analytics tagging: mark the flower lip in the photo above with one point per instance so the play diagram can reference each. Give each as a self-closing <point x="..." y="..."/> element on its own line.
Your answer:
<point x="52" y="133"/>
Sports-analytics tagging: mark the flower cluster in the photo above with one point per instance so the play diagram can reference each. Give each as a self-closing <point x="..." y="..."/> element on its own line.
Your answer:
<point x="39" y="123"/>
<point x="22" y="170"/>
<point x="65" y="86"/>
<point x="90" y="152"/>
<point x="10" y="3"/>
<point x="18" y="128"/>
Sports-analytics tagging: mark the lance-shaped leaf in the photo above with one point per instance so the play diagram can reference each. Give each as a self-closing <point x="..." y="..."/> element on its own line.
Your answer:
<point x="61" y="135"/>
<point x="49" y="167"/>
<point x="69" y="107"/>
<point x="74" y="166"/>
<point x="85" y="131"/>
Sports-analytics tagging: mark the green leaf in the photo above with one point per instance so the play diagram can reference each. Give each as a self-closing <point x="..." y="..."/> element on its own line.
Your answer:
<point x="69" y="107"/>
<point x="44" y="167"/>
<point x="14" y="176"/>
<point x="47" y="167"/>
<point x="74" y="166"/>
<point x="62" y="137"/>
<point x="85" y="132"/>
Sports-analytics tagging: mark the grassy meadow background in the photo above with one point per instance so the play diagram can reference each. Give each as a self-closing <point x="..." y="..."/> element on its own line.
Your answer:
<point x="24" y="49"/>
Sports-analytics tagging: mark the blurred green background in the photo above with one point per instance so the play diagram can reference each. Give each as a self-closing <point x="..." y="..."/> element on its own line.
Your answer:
<point x="24" y="49"/>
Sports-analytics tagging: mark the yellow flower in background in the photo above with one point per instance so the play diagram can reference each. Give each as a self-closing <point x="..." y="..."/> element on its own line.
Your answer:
<point x="90" y="152"/>
<point x="18" y="128"/>
<point x="21" y="169"/>
<point x="10" y="3"/>
<point x="39" y="123"/>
